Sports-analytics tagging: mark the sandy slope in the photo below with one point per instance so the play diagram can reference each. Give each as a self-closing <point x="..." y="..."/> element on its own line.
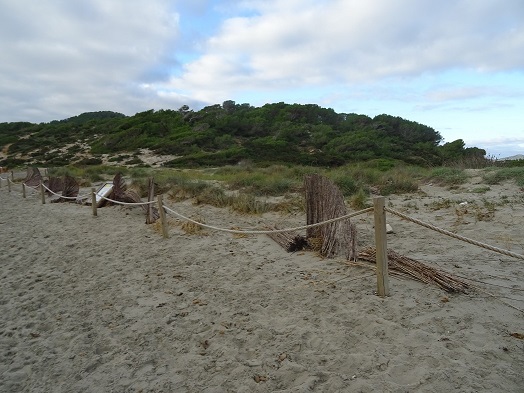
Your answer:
<point x="105" y="304"/>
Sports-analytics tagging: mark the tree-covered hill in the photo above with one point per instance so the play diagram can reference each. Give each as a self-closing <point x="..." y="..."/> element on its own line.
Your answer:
<point x="228" y="133"/>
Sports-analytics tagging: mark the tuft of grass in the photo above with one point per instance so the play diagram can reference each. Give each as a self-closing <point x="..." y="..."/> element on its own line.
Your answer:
<point x="441" y="204"/>
<point x="359" y="200"/>
<point x="248" y="204"/>
<point x="498" y="175"/>
<point x="397" y="183"/>
<point x="481" y="190"/>
<point x="448" y="176"/>
<point x="213" y="196"/>
<point x="291" y="204"/>
<point x="187" y="189"/>
<point x="346" y="183"/>
<point x="194" y="229"/>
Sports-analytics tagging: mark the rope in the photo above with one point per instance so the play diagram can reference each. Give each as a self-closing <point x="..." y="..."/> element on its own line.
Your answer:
<point x="64" y="197"/>
<point x="16" y="184"/>
<point x="35" y="188"/>
<point x="454" y="235"/>
<point x="21" y="184"/>
<point x="128" y="203"/>
<point x="266" y="232"/>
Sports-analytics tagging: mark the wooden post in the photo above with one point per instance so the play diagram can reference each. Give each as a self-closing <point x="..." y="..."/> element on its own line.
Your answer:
<point x="162" y="217"/>
<point x="13" y="175"/>
<point x="9" y="184"/>
<point x="150" y="197"/>
<point x="381" y="246"/>
<point x="93" y="200"/>
<point x="42" y="192"/>
<point x="23" y="190"/>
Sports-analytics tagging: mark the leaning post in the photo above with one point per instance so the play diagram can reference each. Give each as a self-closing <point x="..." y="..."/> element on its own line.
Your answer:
<point x="150" y="198"/>
<point x="381" y="246"/>
<point x="42" y="192"/>
<point x="93" y="200"/>
<point x="162" y="217"/>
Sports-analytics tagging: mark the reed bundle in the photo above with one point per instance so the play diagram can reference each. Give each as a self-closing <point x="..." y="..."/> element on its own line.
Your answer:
<point x="122" y="194"/>
<point x="417" y="270"/>
<point x="55" y="184"/>
<point x="290" y="241"/>
<point x="33" y="177"/>
<point x="70" y="188"/>
<point x="324" y="201"/>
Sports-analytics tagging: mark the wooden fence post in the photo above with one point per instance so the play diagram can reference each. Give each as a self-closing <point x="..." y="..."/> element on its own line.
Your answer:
<point x="162" y="217"/>
<point x="93" y="200"/>
<point x="150" y="198"/>
<point x="381" y="246"/>
<point x="42" y="192"/>
<point x="13" y="175"/>
<point x="9" y="184"/>
<point x="23" y="190"/>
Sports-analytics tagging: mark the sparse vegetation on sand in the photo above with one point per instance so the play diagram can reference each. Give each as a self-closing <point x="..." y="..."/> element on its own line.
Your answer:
<point x="248" y="188"/>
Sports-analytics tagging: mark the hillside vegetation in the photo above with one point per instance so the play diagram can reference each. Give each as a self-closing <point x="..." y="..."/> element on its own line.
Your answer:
<point x="227" y="134"/>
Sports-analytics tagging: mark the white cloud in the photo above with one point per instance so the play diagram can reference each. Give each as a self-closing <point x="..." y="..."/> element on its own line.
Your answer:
<point x="297" y="43"/>
<point x="60" y="58"/>
<point x="79" y="56"/>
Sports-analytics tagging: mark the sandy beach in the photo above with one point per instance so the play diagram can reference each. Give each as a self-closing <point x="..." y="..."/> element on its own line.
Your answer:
<point x="106" y="304"/>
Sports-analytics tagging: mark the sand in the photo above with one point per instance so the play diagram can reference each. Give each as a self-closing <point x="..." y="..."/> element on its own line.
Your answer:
<point x="105" y="304"/>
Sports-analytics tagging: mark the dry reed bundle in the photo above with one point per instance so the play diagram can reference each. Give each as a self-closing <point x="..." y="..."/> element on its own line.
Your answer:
<point x="33" y="177"/>
<point x="55" y="184"/>
<point x="324" y="201"/>
<point x="70" y="190"/>
<point x="290" y="241"/>
<point x="122" y="194"/>
<point x="417" y="270"/>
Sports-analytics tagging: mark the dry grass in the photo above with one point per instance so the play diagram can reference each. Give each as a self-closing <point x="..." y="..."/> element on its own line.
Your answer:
<point x="194" y="229"/>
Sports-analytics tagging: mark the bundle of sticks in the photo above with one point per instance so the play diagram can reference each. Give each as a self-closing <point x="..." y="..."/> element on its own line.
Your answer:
<point x="122" y="194"/>
<point x="325" y="201"/>
<point x="70" y="188"/>
<point x="290" y="241"/>
<point x="417" y="270"/>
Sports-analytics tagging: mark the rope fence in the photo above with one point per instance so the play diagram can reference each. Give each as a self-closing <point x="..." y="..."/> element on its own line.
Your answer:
<point x="128" y="203"/>
<point x="77" y="198"/>
<point x="267" y="232"/>
<point x="454" y="235"/>
<point x="379" y="209"/>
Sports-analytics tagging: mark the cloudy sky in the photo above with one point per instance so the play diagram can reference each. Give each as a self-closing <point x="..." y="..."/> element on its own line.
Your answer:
<point x="454" y="65"/>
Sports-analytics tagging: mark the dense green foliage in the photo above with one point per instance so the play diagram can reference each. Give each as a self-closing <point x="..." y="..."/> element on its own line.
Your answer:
<point x="229" y="133"/>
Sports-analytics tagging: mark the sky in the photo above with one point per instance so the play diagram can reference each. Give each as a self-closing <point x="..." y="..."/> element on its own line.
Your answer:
<point x="454" y="65"/>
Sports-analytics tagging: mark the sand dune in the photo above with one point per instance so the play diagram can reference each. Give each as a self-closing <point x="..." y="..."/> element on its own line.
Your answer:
<point x="105" y="304"/>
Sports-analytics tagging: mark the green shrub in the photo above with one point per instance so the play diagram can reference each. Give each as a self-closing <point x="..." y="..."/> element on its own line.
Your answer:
<point x="346" y="184"/>
<point x="90" y="161"/>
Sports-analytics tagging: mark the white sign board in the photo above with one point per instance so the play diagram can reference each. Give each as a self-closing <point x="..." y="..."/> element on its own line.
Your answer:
<point x="103" y="191"/>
